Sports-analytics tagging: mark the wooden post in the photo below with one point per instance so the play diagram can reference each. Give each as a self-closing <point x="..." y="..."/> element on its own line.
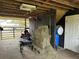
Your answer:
<point x="1" y="29"/>
<point x="53" y="27"/>
<point x="1" y="34"/>
<point x="13" y="32"/>
<point x="25" y="23"/>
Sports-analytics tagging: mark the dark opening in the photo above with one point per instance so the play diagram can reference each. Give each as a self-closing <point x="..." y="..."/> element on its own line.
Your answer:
<point x="62" y="23"/>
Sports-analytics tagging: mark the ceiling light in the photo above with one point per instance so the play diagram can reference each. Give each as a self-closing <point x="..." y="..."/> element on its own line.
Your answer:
<point x="27" y="7"/>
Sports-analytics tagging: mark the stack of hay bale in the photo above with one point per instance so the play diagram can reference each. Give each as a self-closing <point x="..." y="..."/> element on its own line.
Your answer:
<point x="42" y="43"/>
<point x="41" y="38"/>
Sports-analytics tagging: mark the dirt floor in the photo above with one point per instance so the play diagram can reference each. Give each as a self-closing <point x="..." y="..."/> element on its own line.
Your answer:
<point x="9" y="49"/>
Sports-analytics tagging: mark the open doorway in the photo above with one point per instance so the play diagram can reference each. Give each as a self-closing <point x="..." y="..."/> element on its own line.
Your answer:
<point x="12" y="27"/>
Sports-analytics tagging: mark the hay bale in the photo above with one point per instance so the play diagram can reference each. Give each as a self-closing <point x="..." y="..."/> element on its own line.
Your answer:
<point x="41" y="36"/>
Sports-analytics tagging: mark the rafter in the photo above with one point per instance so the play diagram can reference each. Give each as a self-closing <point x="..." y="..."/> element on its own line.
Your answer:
<point x="55" y="4"/>
<point x="10" y="11"/>
<point x="17" y="4"/>
<point x="38" y="12"/>
<point x="33" y="2"/>
<point x="13" y="15"/>
<point x="10" y="7"/>
<point x="18" y="10"/>
<point x="3" y="8"/>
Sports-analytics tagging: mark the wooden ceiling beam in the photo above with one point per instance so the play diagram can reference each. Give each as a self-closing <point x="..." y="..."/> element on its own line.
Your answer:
<point x="40" y="8"/>
<point x="6" y="13"/>
<point x="8" y="6"/>
<point x="33" y="2"/>
<point x="17" y="10"/>
<point x="38" y="12"/>
<point x="13" y="15"/>
<point x="16" y="13"/>
<point x="17" y="4"/>
<point x="12" y="7"/>
<point x="12" y="10"/>
<point x="55" y="4"/>
<point x="10" y="2"/>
